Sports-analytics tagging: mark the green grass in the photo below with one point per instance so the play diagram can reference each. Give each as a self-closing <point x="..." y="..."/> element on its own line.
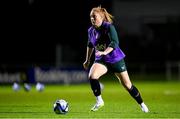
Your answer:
<point x="162" y="98"/>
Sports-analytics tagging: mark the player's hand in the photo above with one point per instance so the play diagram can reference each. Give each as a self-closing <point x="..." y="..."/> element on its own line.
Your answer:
<point x="86" y="64"/>
<point x="99" y="53"/>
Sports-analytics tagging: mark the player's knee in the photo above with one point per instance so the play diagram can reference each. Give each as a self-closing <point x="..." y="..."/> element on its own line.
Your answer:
<point x="94" y="76"/>
<point x="127" y="86"/>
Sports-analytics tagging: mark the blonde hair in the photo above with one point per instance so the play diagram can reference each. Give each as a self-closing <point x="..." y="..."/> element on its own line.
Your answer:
<point x="107" y="17"/>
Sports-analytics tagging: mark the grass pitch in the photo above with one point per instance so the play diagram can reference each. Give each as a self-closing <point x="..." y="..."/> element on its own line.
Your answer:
<point x="162" y="98"/>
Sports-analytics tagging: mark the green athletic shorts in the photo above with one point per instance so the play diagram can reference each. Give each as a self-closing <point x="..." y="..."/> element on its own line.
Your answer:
<point x="117" y="67"/>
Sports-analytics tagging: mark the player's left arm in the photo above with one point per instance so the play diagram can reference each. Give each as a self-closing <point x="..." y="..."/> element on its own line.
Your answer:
<point x="105" y="52"/>
<point x="113" y="44"/>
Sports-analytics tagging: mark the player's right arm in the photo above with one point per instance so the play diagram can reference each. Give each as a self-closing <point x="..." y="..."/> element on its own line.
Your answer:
<point x="89" y="52"/>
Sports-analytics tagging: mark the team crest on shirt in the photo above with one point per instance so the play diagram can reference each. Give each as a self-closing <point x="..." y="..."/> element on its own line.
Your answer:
<point x="101" y="47"/>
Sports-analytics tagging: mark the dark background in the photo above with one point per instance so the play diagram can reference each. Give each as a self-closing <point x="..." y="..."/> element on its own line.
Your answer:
<point x="32" y="29"/>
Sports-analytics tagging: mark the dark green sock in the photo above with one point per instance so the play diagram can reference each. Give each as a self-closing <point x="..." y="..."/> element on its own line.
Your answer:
<point x="95" y="86"/>
<point x="135" y="94"/>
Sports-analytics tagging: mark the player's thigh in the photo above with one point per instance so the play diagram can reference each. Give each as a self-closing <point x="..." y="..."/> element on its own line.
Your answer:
<point x="97" y="70"/>
<point x="124" y="79"/>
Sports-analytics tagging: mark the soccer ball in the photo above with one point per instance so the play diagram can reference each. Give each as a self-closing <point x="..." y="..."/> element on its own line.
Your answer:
<point x="61" y="106"/>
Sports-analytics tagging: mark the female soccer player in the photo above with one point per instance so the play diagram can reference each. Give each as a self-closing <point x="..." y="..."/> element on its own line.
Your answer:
<point x="103" y="38"/>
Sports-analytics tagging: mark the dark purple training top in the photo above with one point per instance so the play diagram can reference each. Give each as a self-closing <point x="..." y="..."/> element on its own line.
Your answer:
<point x="103" y="37"/>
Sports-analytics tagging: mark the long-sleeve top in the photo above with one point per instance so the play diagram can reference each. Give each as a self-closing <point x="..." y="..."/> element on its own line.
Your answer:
<point x="102" y="37"/>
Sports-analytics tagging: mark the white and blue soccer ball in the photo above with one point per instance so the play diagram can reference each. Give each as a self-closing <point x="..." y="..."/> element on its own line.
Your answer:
<point x="61" y="106"/>
<point x="39" y="87"/>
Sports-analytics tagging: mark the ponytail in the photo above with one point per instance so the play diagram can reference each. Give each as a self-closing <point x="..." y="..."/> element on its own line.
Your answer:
<point x="107" y="17"/>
